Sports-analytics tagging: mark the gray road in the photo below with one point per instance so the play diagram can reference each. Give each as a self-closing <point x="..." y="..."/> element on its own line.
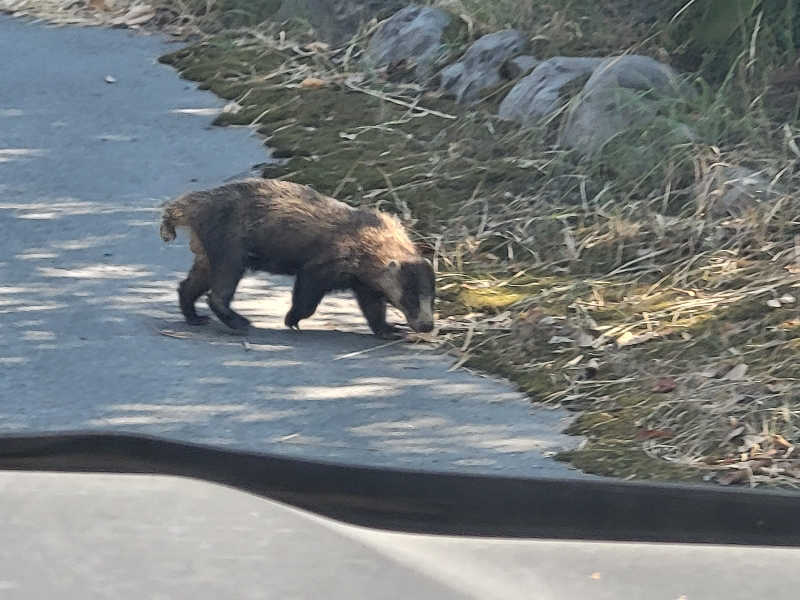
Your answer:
<point x="87" y="289"/>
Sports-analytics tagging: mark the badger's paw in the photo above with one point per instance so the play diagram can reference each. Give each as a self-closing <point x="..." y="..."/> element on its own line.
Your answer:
<point x="197" y="320"/>
<point x="291" y="321"/>
<point x="238" y="322"/>
<point x="389" y="332"/>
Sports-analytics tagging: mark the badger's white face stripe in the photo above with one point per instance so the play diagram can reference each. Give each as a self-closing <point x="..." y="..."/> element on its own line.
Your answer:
<point x="425" y="309"/>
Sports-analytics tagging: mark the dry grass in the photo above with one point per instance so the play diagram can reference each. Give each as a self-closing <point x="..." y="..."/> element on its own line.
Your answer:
<point x="652" y="299"/>
<point x="585" y="282"/>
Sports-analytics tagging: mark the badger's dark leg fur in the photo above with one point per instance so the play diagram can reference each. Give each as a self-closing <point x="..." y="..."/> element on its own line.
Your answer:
<point x="373" y="305"/>
<point x="227" y="267"/>
<point x="196" y="284"/>
<point x="308" y="292"/>
<point x="223" y="287"/>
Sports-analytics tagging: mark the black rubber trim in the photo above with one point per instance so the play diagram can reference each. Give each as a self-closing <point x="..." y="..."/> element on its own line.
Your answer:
<point x="435" y="503"/>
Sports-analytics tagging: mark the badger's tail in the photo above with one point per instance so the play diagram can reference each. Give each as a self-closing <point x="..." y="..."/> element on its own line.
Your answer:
<point x="174" y="216"/>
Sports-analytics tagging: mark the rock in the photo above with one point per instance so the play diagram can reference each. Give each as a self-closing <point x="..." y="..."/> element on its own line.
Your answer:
<point x="518" y="66"/>
<point x="479" y="68"/>
<point x="540" y="93"/>
<point x="336" y="21"/>
<point x="413" y="35"/>
<point x="623" y="93"/>
<point x="729" y="190"/>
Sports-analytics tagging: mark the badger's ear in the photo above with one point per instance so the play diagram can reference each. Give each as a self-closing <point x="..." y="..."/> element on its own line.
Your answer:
<point x="393" y="266"/>
<point x="426" y="249"/>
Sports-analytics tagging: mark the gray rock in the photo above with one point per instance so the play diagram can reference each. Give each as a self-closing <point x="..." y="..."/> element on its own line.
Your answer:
<point x="540" y="93"/>
<point x="413" y="34"/>
<point x="623" y="93"/>
<point x="732" y="190"/>
<point x="519" y="66"/>
<point x="479" y="68"/>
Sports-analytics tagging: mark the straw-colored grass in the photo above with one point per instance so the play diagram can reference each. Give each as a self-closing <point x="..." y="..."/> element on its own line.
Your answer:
<point x="641" y="293"/>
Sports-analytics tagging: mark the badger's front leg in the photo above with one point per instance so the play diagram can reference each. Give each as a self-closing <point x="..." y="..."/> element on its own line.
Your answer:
<point x="307" y="294"/>
<point x="373" y="305"/>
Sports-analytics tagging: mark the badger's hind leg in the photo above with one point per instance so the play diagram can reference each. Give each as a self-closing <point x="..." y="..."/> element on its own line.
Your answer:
<point x="309" y="289"/>
<point x="227" y="269"/>
<point x="196" y="284"/>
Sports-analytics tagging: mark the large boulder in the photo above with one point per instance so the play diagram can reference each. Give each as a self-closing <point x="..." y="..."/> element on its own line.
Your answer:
<point x="624" y="93"/>
<point x="519" y="66"/>
<point x="414" y="34"/>
<point x="542" y="92"/>
<point x="480" y="67"/>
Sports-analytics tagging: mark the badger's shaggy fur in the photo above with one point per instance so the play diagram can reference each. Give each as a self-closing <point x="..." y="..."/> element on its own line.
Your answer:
<point x="285" y="228"/>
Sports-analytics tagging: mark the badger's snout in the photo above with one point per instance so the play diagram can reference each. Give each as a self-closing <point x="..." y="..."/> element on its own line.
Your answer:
<point x="421" y="326"/>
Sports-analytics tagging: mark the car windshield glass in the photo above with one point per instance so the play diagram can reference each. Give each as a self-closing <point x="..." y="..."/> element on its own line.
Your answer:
<point x="534" y="239"/>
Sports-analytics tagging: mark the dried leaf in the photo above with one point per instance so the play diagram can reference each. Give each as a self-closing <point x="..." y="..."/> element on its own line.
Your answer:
<point x="313" y="82"/>
<point x="737" y="373"/>
<point x="318" y="47"/>
<point x="629" y="339"/>
<point x="654" y="434"/>
<point x="779" y="440"/>
<point x="664" y="385"/>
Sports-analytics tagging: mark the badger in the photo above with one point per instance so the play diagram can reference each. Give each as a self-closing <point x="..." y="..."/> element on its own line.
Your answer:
<point x="286" y="228"/>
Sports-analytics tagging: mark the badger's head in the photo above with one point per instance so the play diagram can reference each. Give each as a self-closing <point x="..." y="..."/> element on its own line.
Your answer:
<point x="410" y="286"/>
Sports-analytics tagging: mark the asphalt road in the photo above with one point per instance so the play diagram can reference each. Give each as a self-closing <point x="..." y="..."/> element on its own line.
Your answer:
<point x="87" y="289"/>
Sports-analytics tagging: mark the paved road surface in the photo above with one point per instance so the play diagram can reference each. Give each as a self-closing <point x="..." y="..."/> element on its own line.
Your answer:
<point x="86" y="287"/>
